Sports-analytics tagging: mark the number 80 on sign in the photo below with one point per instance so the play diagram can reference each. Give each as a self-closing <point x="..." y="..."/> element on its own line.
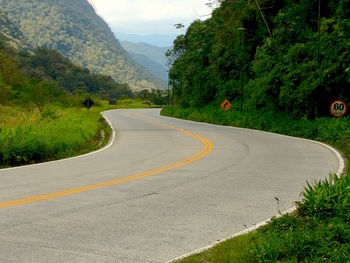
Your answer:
<point x="338" y="108"/>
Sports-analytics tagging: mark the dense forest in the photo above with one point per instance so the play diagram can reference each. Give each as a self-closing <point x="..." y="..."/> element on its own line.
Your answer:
<point x="74" y="29"/>
<point x="288" y="56"/>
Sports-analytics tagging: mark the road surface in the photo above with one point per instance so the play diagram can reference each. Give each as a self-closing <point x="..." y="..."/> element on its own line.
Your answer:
<point x="163" y="188"/>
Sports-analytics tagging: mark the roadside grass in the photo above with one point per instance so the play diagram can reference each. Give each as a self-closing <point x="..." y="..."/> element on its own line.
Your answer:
<point x="335" y="132"/>
<point x="31" y="136"/>
<point x="133" y="104"/>
<point x="319" y="231"/>
<point x="234" y="250"/>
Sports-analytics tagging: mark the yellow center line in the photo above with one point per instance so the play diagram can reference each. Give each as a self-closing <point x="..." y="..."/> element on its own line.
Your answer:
<point x="206" y="150"/>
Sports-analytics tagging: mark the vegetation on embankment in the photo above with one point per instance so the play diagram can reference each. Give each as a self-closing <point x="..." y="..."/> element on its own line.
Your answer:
<point x="320" y="229"/>
<point x="30" y="136"/>
<point x="42" y="117"/>
<point x="288" y="60"/>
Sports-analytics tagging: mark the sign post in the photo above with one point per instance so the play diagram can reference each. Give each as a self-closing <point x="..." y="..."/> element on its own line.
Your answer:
<point x="338" y="108"/>
<point x="88" y="103"/>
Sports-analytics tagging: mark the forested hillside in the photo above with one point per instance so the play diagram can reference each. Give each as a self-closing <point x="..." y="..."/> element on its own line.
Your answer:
<point x="285" y="60"/>
<point x="151" y="57"/>
<point x="43" y="76"/>
<point x="10" y="33"/>
<point x="73" y="28"/>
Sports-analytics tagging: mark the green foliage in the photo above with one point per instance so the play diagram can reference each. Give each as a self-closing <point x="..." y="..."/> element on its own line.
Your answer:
<point x="37" y="91"/>
<point x="46" y="76"/>
<point x="286" y="69"/>
<point x="300" y="240"/>
<point x="320" y="233"/>
<point x="42" y="140"/>
<point x="236" y="250"/>
<point x="327" y="199"/>
<point x="74" y="29"/>
<point x="280" y="73"/>
<point x="157" y="97"/>
<point x="50" y="63"/>
<point x="126" y="103"/>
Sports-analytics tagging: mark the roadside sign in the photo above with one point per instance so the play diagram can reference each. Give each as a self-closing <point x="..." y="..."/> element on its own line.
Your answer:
<point x="226" y="105"/>
<point x="88" y="103"/>
<point x="338" y="108"/>
<point x="112" y="102"/>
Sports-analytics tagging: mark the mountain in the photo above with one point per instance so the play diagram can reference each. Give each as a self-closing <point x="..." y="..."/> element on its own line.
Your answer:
<point x="152" y="66"/>
<point x="74" y="29"/>
<point x="155" y="39"/>
<point x="10" y="33"/>
<point x="149" y="56"/>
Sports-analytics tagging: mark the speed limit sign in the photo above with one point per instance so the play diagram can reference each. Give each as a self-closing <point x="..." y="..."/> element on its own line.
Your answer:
<point x="338" y="108"/>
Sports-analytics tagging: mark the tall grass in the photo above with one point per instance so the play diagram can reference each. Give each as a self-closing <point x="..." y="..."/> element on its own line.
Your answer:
<point x="320" y="232"/>
<point x="29" y="136"/>
<point x="132" y="104"/>
<point x="56" y="133"/>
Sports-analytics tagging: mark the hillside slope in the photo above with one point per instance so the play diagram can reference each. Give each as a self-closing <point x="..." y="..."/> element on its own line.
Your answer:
<point x="10" y="33"/>
<point x="149" y="56"/>
<point x="74" y="28"/>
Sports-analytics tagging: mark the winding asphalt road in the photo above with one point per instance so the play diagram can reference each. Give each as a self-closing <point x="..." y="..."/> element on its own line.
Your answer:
<point x="163" y="188"/>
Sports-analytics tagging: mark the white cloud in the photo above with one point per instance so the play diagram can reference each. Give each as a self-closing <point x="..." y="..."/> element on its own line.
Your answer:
<point x="149" y="16"/>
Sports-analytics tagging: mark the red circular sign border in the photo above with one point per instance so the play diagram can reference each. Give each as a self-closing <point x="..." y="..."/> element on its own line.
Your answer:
<point x="346" y="108"/>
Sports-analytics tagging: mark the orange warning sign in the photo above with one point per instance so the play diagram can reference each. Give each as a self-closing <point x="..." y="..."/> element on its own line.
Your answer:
<point x="226" y="105"/>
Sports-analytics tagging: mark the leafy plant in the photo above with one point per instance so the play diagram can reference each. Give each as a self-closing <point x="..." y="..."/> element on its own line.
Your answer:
<point x="328" y="198"/>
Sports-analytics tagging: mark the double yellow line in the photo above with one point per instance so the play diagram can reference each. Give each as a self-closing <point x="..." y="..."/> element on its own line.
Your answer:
<point x="206" y="150"/>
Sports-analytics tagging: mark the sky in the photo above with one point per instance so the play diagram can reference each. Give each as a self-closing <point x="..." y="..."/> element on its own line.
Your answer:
<point x="146" y="17"/>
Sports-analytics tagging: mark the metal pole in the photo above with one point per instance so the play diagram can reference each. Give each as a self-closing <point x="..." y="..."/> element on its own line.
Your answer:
<point x="242" y="87"/>
<point x="172" y="88"/>
<point x="319" y="31"/>
<point x="168" y="95"/>
<point x="242" y="29"/>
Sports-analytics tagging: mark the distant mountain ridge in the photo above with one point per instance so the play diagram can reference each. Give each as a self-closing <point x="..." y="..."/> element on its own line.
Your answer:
<point x="149" y="56"/>
<point x="157" y="40"/>
<point x="74" y="28"/>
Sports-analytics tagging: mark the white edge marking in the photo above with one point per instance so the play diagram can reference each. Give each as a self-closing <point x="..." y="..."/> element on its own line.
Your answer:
<point x="111" y="141"/>
<point x="340" y="171"/>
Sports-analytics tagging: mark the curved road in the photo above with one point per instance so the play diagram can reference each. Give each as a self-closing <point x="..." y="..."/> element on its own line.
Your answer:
<point x="165" y="187"/>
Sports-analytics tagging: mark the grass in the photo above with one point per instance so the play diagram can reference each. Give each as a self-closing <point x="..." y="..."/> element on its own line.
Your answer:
<point x="234" y="250"/>
<point x="28" y="136"/>
<point x="319" y="231"/>
<point x="132" y="104"/>
<point x="56" y="133"/>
